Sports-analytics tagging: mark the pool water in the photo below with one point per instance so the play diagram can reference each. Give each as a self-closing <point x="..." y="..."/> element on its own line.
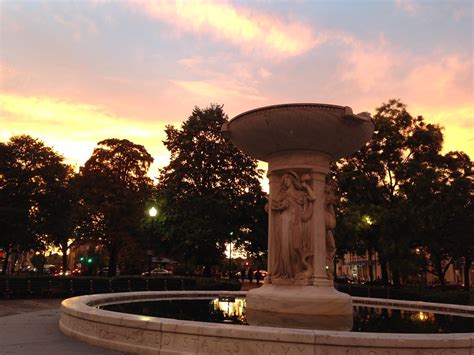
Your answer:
<point x="232" y="311"/>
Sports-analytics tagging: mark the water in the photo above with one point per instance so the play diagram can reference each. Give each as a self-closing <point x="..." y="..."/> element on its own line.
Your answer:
<point x="232" y="311"/>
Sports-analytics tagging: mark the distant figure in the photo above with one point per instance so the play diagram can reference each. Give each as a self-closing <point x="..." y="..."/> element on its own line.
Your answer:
<point x="242" y="275"/>
<point x="250" y="275"/>
<point x="258" y="276"/>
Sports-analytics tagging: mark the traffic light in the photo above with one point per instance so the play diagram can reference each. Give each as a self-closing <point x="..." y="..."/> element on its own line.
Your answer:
<point x="89" y="260"/>
<point x="81" y="258"/>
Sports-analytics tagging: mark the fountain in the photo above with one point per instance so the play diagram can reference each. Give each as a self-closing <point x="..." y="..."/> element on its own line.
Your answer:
<point x="299" y="141"/>
<point x="297" y="310"/>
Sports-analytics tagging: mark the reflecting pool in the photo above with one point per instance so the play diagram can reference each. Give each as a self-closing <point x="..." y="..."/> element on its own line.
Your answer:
<point x="232" y="311"/>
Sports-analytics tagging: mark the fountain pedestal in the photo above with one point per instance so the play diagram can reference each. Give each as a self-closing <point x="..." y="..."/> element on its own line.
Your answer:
<point x="299" y="141"/>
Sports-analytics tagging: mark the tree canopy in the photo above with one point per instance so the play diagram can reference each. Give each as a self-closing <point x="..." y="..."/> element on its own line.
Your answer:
<point x="396" y="181"/>
<point x="211" y="191"/>
<point x="29" y="171"/>
<point x="114" y="188"/>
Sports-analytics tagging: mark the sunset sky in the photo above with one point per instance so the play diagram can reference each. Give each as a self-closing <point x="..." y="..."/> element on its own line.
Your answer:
<point x="75" y="72"/>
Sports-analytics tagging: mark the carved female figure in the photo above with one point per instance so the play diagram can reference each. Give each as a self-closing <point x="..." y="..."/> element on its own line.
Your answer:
<point x="291" y="209"/>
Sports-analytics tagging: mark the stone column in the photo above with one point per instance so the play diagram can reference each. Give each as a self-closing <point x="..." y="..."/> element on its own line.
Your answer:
<point x="316" y="165"/>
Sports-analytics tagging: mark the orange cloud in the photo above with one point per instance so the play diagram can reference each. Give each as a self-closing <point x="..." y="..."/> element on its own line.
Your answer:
<point x="75" y="128"/>
<point x="368" y="64"/>
<point x="249" y="30"/>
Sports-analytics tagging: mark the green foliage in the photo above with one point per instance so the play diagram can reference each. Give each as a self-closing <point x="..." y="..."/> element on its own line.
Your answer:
<point x="208" y="190"/>
<point x="114" y="188"/>
<point x="29" y="172"/>
<point x="415" y="195"/>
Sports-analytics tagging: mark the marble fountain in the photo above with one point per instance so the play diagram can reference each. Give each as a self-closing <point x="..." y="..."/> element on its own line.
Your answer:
<point x="297" y="310"/>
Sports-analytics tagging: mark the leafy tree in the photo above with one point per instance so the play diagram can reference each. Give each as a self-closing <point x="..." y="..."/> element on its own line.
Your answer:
<point x="373" y="177"/>
<point x="210" y="191"/>
<point x="114" y="188"/>
<point x="441" y="193"/>
<point x="61" y="215"/>
<point x="28" y="171"/>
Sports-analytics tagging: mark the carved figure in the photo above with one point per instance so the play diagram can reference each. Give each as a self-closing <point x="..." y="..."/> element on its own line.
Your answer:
<point x="330" y="226"/>
<point x="292" y="209"/>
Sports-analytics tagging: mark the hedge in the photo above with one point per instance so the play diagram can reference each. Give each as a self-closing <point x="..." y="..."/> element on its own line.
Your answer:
<point x="65" y="286"/>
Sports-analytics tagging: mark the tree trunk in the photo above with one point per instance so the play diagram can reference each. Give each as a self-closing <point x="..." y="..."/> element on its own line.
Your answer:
<point x="384" y="271"/>
<point x="438" y="271"/>
<point x="113" y="258"/>
<point x="371" y="267"/>
<point x="64" y="259"/>
<point x="5" y="261"/>
<point x="395" y="276"/>
<point x="467" y="273"/>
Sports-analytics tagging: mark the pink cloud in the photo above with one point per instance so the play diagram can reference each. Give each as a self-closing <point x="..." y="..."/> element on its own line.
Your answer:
<point x="248" y="29"/>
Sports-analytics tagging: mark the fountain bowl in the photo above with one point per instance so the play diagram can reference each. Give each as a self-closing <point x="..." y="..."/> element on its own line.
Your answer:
<point x="330" y="129"/>
<point x="82" y="320"/>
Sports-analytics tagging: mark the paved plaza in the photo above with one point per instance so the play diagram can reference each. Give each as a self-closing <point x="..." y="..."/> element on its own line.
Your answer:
<point x="31" y="327"/>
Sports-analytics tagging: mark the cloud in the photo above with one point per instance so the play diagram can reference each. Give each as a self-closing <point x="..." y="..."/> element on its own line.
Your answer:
<point x="408" y="6"/>
<point x="248" y="29"/>
<point x="75" y="128"/>
<point x="220" y="91"/>
<point x="368" y="64"/>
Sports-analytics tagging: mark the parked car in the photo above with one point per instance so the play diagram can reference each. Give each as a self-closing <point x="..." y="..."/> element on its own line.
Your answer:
<point x="263" y="273"/>
<point x="158" y="272"/>
<point x="344" y="280"/>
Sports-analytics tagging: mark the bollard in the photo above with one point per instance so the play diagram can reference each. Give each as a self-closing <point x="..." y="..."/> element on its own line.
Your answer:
<point x="91" y="286"/>
<point x="110" y="285"/>
<point x="182" y="284"/>
<point x="165" y="286"/>
<point x="147" y="283"/>
<point x="71" y="287"/>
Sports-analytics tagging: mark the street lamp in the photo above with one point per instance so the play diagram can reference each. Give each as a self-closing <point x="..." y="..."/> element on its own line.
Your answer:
<point x="152" y="212"/>
<point x="230" y="254"/>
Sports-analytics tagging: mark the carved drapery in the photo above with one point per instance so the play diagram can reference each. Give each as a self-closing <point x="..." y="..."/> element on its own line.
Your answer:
<point x="330" y="220"/>
<point x="292" y="238"/>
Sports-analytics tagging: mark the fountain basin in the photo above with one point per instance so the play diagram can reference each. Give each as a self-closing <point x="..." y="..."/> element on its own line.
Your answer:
<point x="141" y="334"/>
<point x="329" y="129"/>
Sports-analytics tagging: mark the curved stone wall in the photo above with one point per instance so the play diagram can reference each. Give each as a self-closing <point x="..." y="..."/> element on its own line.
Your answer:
<point x="150" y="335"/>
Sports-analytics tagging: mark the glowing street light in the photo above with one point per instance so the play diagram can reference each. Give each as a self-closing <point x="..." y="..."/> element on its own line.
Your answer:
<point x="153" y="212"/>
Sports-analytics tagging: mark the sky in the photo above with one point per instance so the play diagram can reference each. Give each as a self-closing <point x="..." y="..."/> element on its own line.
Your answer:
<point x="73" y="73"/>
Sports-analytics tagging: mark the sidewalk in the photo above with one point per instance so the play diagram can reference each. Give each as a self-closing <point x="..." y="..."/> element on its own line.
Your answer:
<point x="31" y="327"/>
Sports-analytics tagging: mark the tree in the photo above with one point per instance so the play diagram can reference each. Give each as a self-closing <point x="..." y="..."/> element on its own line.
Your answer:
<point x="114" y="187"/>
<point x="28" y="171"/>
<point x="373" y="177"/>
<point x="211" y="191"/>
<point x="61" y="214"/>
<point x="442" y="194"/>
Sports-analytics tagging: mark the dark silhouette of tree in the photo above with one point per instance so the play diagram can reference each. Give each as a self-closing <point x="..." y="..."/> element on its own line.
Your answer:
<point x="211" y="192"/>
<point x="372" y="179"/>
<point x="114" y="188"/>
<point x="29" y="170"/>
<point x="61" y="215"/>
<point x="441" y="193"/>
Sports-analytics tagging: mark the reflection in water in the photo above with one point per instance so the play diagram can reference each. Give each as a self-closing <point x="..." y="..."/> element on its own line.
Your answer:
<point x="232" y="310"/>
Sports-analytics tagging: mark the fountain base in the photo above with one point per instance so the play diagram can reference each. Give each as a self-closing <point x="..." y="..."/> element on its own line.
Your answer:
<point x="305" y="307"/>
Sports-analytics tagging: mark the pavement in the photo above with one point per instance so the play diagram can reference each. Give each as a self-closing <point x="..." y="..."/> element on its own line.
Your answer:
<point x="31" y="327"/>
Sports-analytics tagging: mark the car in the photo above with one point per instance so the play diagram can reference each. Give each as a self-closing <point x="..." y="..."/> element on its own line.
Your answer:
<point x="263" y="273"/>
<point x="158" y="272"/>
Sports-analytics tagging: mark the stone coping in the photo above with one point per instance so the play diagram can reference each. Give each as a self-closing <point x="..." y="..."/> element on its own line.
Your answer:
<point x="142" y="334"/>
<point x="441" y="308"/>
<point x="318" y="106"/>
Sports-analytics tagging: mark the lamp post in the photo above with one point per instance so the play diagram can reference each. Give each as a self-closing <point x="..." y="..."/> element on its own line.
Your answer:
<point x="152" y="212"/>
<point x="230" y="255"/>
